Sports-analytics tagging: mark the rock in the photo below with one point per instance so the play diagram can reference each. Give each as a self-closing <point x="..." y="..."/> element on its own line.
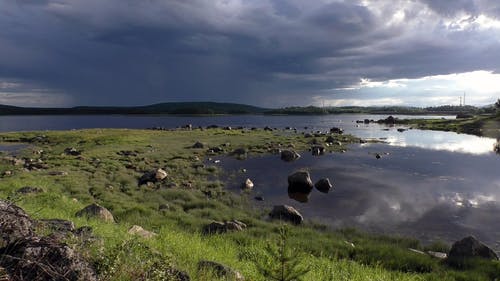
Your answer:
<point x="323" y="185"/>
<point x="216" y="227"/>
<point x="307" y="135"/>
<point x="317" y="150"/>
<point x="40" y="259"/>
<point x="289" y="155"/>
<point x="215" y="149"/>
<point x="15" y="224"/>
<point x="389" y="120"/>
<point x="96" y="211"/>
<point x="286" y="213"/>
<point x="160" y="174"/>
<point x="57" y="173"/>
<point x="438" y="255"/>
<point x="366" y="121"/>
<point x="259" y="198"/>
<point x="220" y="270"/>
<point x="470" y="247"/>
<point x="198" y="145"/>
<point x="336" y="130"/>
<point x="267" y="128"/>
<point x="72" y="151"/>
<point x="153" y="176"/>
<point x="377" y="156"/>
<point x="300" y="182"/>
<point x="7" y="173"/>
<point x="248" y="184"/>
<point x="137" y="230"/>
<point x="240" y="151"/>
<point x="127" y="153"/>
<point x="177" y="275"/>
<point x="58" y="225"/>
<point x="188" y="127"/>
<point x="330" y="139"/>
<point x="401" y="130"/>
<point x="29" y="190"/>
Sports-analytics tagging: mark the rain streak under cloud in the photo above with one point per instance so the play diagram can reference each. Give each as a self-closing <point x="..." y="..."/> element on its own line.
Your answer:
<point x="266" y="52"/>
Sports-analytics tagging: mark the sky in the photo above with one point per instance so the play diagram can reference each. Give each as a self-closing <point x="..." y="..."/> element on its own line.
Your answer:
<point x="269" y="53"/>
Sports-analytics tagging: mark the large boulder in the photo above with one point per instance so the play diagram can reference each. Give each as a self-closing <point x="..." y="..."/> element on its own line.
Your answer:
<point x="15" y="224"/>
<point x="286" y="213"/>
<point x="289" y="155"/>
<point x="300" y="182"/>
<point x="220" y="270"/>
<point x="39" y="259"/>
<point x="96" y="211"/>
<point x="470" y="247"/>
<point x="323" y="185"/>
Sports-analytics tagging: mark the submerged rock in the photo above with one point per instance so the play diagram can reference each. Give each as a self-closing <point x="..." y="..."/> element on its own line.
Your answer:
<point x="286" y="213"/>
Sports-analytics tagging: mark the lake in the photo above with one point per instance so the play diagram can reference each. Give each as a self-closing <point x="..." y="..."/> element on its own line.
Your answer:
<point x="427" y="184"/>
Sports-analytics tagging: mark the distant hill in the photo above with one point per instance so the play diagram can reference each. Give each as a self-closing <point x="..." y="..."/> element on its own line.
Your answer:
<point x="160" y="108"/>
<point x="210" y="108"/>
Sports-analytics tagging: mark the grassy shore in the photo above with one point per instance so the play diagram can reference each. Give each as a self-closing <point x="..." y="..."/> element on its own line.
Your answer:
<point x="480" y="125"/>
<point x="107" y="172"/>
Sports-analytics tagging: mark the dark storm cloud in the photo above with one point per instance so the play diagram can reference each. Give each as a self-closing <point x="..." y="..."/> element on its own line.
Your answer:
<point x="268" y="52"/>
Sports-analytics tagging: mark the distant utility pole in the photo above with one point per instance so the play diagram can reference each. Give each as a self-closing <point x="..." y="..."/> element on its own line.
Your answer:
<point x="460" y="101"/>
<point x="464" y="98"/>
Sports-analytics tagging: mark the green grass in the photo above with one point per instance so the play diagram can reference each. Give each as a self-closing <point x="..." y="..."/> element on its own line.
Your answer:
<point x="195" y="197"/>
<point x="482" y="125"/>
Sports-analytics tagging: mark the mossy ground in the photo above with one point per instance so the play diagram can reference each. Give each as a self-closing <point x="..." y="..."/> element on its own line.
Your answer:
<point x="191" y="197"/>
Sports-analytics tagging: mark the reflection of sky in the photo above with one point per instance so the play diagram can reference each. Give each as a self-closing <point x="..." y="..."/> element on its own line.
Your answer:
<point x="437" y="140"/>
<point x="431" y="194"/>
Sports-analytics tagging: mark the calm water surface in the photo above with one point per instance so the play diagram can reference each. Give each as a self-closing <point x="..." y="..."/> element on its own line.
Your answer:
<point x="428" y="184"/>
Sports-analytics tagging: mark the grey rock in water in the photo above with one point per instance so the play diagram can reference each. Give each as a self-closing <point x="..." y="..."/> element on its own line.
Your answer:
<point x="289" y="155"/>
<point x="323" y="185"/>
<point x="300" y="182"/>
